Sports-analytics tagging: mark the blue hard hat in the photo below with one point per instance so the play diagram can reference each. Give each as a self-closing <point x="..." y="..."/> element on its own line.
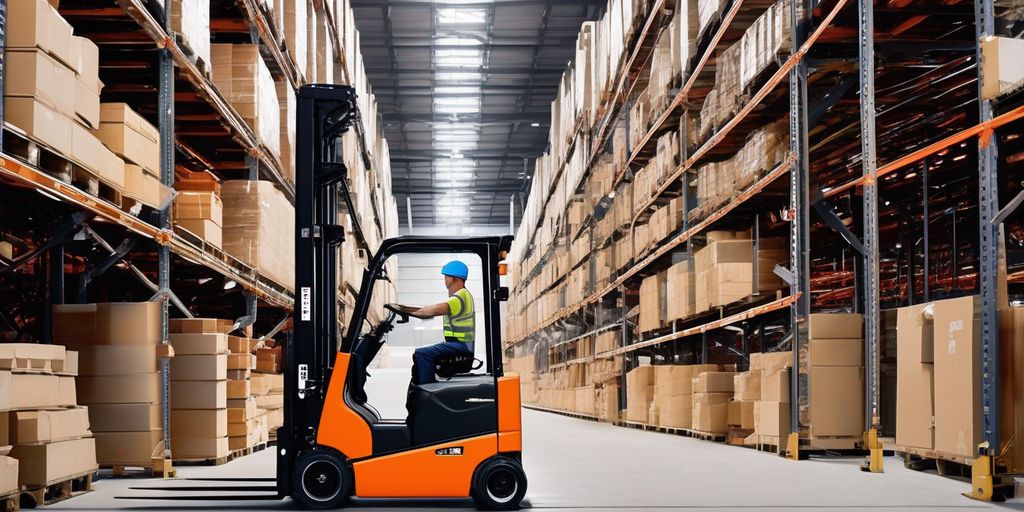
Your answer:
<point x="455" y="268"/>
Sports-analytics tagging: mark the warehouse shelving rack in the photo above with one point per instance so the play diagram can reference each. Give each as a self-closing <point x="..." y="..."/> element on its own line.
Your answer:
<point x="168" y="86"/>
<point x="824" y="65"/>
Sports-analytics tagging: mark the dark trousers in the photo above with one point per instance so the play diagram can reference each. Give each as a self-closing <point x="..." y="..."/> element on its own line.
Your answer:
<point x="423" y="366"/>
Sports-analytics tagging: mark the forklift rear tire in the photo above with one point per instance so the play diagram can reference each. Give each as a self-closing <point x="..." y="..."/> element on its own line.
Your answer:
<point x="499" y="484"/>
<point x="322" y="480"/>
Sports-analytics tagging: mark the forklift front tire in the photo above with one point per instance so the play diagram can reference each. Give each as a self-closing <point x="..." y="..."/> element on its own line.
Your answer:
<point x="499" y="484"/>
<point x="322" y="480"/>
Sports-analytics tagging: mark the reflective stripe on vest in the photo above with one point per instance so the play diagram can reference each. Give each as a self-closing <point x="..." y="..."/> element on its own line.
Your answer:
<point x="461" y="326"/>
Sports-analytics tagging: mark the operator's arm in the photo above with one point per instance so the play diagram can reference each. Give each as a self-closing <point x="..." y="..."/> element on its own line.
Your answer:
<point x="431" y="311"/>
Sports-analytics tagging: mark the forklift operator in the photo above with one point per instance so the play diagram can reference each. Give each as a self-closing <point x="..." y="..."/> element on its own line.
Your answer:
<point x="459" y="323"/>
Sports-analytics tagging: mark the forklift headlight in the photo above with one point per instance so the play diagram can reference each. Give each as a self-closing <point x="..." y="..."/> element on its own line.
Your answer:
<point x="502" y="269"/>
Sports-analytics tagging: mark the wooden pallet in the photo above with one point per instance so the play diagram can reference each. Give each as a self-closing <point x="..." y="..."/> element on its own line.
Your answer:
<point x="249" y="450"/>
<point x="32" y="496"/>
<point x="10" y="502"/>
<point x="946" y="464"/>
<point x="153" y="470"/>
<point x="35" y="153"/>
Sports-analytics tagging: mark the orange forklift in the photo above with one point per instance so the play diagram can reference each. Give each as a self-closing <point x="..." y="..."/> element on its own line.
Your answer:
<point x="463" y="434"/>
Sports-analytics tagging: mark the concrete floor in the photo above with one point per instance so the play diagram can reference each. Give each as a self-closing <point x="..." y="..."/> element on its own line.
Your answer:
<point x="581" y="465"/>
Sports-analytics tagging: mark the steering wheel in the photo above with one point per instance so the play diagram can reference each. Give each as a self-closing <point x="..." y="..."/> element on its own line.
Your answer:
<point x="402" y="315"/>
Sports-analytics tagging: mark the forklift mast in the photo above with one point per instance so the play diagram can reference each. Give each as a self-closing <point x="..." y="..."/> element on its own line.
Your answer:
<point x="323" y="114"/>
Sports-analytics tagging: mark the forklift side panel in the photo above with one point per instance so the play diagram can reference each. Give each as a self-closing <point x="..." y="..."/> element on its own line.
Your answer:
<point x="342" y="428"/>
<point x="439" y="471"/>
<point x="509" y="407"/>
<point x="510" y="442"/>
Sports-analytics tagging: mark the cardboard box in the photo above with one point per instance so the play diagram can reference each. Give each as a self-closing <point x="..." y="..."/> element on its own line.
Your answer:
<point x="87" y="105"/>
<point x="199" y="395"/>
<point x="747" y="385"/>
<point x="41" y="76"/>
<point x="242" y="361"/>
<point x="73" y="323"/>
<point x="88" y="68"/>
<point x="121" y="113"/>
<point x="836" y="352"/>
<point x="30" y="427"/>
<point x="40" y="464"/>
<point x="238" y="345"/>
<point x="711" y="411"/>
<point x="125" y="417"/>
<point x="775" y="385"/>
<point x="678" y="379"/>
<point x="30" y="357"/>
<point x="263" y="383"/>
<point x="958" y="428"/>
<point x="641" y="376"/>
<point x="269" y="360"/>
<point x="238" y="389"/>
<point x="98" y="360"/>
<point x="258" y="221"/>
<point x="199" y="448"/>
<point x="141" y="388"/>
<point x="68" y="366"/>
<point x="194" y="205"/>
<point x="39" y="120"/>
<point x="34" y="23"/>
<point x="127" y="323"/>
<point x="30" y="391"/>
<point x="154" y="193"/>
<point x="67" y="391"/>
<point x="747" y="415"/>
<point x="771" y="418"/>
<point x="836" y="400"/>
<point x="130" y="136"/>
<point x="207" y="230"/>
<point x="93" y="155"/>
<point x="198" y="423"/>
<point x="199" y="367"/>
<point x="714" y="382"/>
<point x="200" y="325"/>
<point x="129" y="448"/>
<point x="247" y="407"/>
<point x="771" y="360"/>
<point x="5" y="434"/>
<point x="199" y="344"/>
<point x="674" y="411"/>
<point x="835" y="325"/>
<point x="1002" y="65"/>
<point x="680" y="283"/>
<point x="652" y="302"/>
<point x="274" y="401"/>
<point x="8" y="475"/>
<point x="734" y="416"/>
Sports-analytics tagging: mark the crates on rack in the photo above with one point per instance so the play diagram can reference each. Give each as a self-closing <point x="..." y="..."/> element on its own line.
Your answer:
<point x="258" y="222"/>
<point x="241" y="75"/>
<point x="199" y="374"/>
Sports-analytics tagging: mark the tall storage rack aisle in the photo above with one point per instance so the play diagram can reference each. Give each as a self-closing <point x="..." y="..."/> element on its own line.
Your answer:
<point x="743" y="199"/>
<point x="146" y="200"/>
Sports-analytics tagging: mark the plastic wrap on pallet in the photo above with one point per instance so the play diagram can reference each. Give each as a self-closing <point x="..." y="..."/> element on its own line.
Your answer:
<point x="324" y="51"/>
<point x="707" y="11"/>
<point x="258" y="222"/>
<point x="190" y="20"/>
<point x="243" y="78"/>
<point x="684" y="41"/>
<point x="584" y="79"/>
<point x="295" y="32"/>
<point x="764" y="41"/>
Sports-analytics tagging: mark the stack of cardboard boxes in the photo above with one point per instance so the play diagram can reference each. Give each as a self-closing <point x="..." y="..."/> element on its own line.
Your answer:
<point x="746" y="388"/>
<point x="243" y="78"/>
<point x="724" y="268"/>
<point x="258" y="222"/>
<point x="639" y="393"/>
<point x="673" y="393"/>
<point x="836" y="381"/>
<point x="271" y="399"/>
<point x="246" y="427"/>
<point x="771" y="410"/>
<point x="190" y="22"/>
<point x="119" y="380"/>
<point x="40" y="418"/>
<point x="52" y="87"/>
<point x="653" y="302"/>
<point x="131" y="137"/>
<point x="712" y="392"/>
<point x="201" y="213"/>
<point x="199" y="372"/>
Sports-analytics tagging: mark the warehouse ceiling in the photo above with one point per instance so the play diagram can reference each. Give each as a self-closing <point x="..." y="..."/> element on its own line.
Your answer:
<point x="465" y="90"/>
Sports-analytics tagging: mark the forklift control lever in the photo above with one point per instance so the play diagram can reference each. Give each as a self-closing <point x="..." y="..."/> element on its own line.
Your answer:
<point x="402" y="315"/>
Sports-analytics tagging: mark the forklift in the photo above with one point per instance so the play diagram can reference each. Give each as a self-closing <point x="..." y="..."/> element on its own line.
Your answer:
<point x="463" y="434"/>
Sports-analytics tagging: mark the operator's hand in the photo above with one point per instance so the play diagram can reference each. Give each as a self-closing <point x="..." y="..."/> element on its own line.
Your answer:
<point x="407" y="309"/>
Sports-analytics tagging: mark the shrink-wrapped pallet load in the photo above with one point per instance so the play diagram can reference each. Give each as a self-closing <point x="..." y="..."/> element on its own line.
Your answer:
<point x="258" y="222"/>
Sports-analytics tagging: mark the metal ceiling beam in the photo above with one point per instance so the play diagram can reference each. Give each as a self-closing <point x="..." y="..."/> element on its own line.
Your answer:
<point x="410" y="43"/>
<point x="477" y="5"/>
<point x="551" y="39"/>
<point x="440" y="191"/>
<point x="404" y="72"/>
<point x="430" y="156"/>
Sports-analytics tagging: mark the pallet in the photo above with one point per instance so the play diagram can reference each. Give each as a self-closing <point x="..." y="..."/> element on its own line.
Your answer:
<point x="737" y="436"/>
<point x="31" y="151"/>
<point x="249" y="450"/>
<point x="32" y="496"/>
<point x="10" y="502"/>
<point x="201" y="65"/>
<point x="920" y="459"/>
<point x="217" y="461"/>
<point x="153" y="470"/>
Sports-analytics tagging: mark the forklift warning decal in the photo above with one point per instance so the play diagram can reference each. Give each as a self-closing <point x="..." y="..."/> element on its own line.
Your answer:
<point x="452" y="451"/>
<point x="305" y="308"/>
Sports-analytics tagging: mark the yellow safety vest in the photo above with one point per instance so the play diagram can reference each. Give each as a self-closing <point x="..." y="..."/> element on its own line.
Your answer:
<point x="460" y="322"/>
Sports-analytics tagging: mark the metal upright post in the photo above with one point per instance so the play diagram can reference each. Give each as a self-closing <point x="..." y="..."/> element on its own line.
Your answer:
<point x="55" y="288"/>
<point x="983" y="471"/>
<point x="925" y="241"/>
<point x="165" y="107"/>
<point x="870" y="267"/>
<point x="3" y="58"/>
<point x="799" y="227"/>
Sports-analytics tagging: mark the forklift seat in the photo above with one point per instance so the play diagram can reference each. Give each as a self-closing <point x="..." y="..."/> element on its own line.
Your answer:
<point x="456" y="365"/>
